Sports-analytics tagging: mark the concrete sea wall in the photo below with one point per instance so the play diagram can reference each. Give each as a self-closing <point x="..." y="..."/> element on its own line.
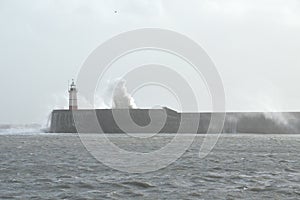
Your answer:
<point x="169" y="121"/>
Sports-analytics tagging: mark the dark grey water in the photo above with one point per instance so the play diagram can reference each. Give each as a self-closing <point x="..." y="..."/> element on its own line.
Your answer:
<point x="43" y="166"/>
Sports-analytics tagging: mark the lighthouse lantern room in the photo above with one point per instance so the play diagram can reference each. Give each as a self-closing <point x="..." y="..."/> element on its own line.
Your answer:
<point x="73" y="96"/>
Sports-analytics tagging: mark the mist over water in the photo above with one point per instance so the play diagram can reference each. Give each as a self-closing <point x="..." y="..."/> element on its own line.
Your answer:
<point x="21" y="129"/>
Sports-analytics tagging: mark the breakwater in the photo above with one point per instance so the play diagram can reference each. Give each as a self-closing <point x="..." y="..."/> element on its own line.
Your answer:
<point x="168" y="121"/>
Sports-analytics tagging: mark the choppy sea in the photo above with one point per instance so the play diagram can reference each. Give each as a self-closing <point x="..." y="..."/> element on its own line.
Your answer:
<point x="35" y="165"/>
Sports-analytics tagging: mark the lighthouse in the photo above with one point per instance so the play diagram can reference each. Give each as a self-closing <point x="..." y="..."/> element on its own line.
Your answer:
<point x="73" y="96"/>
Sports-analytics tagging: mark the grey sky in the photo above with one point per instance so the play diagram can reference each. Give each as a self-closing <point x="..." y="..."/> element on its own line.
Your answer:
<point x="254" y="44"/>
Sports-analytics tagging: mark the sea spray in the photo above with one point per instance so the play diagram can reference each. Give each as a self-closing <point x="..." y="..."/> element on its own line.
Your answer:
<point x="121" y="98"/>
<point x="115" y="95"/>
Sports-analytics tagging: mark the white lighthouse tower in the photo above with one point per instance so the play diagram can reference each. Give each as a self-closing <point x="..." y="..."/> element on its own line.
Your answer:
<point x="73" y="96"/>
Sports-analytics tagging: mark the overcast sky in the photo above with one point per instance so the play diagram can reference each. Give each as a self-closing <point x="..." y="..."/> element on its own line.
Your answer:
<point x="254" y="44"/>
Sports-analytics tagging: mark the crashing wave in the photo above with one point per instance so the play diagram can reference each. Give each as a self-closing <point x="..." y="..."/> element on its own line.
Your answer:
<point x="19" y="129"/>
